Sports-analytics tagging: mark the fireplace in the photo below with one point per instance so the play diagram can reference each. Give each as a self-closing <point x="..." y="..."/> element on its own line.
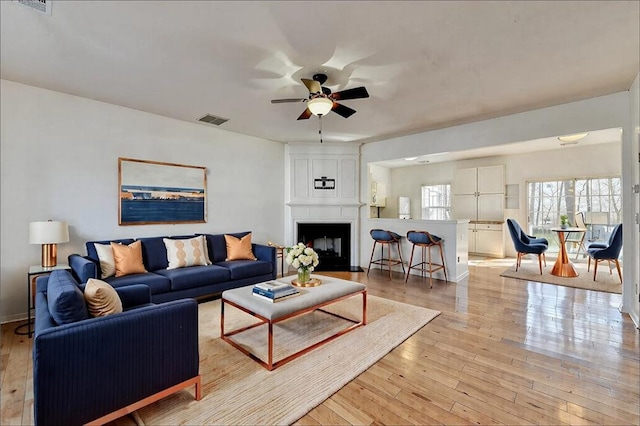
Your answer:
<point x="332" y="242"/>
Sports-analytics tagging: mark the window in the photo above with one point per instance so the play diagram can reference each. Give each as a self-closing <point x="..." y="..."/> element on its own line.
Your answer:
<point x="599" y="199"/>
<point x="436" y="202"/>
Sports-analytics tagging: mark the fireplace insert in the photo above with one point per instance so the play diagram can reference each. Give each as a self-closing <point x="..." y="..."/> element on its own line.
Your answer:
<point x="332" y="242"/>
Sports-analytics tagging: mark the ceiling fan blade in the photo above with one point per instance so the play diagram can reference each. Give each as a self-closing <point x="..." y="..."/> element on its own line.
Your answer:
<point x="342" y="110"/>
<point x="312" y="85"/>
<point x="355" y="93"/>
<point x="305" y="114"/>
<point x="281" y="101"/>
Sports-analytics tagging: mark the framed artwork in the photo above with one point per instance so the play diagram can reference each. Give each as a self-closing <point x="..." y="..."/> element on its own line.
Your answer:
<point x="151" y="192"/>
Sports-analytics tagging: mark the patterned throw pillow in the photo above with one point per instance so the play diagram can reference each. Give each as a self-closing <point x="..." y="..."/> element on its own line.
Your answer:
<point x="128" y="259"/>
<point x="101" y="298"/>
<point x="189" y="252"/>
<point x="239" y="248"/>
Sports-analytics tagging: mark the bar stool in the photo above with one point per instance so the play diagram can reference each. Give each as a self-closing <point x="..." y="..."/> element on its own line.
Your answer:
<point x="389" y="239"/>
<point x="424" y="239"/>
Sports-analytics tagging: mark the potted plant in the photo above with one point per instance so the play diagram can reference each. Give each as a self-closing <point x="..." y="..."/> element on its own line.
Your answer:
<point x="564" y="221"/>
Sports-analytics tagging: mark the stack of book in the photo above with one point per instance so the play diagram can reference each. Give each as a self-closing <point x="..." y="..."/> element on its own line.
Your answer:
<point x="274" y="291"/>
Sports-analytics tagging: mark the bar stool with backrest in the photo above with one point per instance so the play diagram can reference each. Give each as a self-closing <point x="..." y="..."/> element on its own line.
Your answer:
<point x="426" y="240"/>
<point x="389" y="239"/>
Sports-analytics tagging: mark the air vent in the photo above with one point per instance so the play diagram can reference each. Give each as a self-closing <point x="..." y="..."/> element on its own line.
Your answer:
<point x="212" y="119"/>
<point x="42" y="6"/>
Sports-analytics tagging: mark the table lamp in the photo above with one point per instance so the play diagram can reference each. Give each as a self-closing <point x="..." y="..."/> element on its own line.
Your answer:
<point x="48" y="234"/>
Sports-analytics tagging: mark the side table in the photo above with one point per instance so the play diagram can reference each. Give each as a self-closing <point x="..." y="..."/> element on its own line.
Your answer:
<point x="279" y="255"/>
<point x="34" y="272"/>
<point x="563" y="266"/>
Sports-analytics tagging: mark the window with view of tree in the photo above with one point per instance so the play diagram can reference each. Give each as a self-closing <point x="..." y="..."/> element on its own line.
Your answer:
<point x="436" y="202"/>
<point x="595" y="197"/>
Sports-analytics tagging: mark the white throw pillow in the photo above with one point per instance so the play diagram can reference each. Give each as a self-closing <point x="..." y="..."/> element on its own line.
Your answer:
<point x="107" y="261"/>
<point x="189" y="252"/>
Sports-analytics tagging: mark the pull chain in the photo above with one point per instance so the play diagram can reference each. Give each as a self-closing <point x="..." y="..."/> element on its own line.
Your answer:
<point x="320" y="131"/>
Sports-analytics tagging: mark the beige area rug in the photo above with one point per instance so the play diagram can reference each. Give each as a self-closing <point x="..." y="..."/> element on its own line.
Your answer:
<point x="606" y="282"/>
<point x="236" y="390"/>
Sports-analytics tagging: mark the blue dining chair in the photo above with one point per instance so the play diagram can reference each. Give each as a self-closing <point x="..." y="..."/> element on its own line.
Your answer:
<point x="527" y="244"/>
<point x="528" y="239"/>
<point x="609" y="252"/>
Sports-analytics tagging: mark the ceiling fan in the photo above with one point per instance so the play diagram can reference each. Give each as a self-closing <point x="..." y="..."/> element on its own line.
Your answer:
<point x="321" y="101"/>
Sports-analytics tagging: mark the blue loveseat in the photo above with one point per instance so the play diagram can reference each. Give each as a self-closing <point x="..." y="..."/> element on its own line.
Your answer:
<point x="87" y="368"/>
<point x="194" y="281"/>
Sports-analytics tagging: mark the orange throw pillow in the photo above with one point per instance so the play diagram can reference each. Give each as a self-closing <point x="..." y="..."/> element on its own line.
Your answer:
<point x="128" y="258"/>
<point x="239" y="248"/>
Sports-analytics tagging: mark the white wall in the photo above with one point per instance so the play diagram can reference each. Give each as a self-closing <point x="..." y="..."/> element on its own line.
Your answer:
<point x="568" y="162"/>
<point x="631" y="205"/>
<point x="603" y="112"/>
<point x="59" y="158"/>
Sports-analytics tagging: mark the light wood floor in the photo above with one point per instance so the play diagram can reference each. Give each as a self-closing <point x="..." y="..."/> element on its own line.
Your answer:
<point x="502" y="351"/>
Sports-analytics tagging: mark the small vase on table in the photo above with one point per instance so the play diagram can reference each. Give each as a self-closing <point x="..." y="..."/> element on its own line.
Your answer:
<point x="304" y="275"/>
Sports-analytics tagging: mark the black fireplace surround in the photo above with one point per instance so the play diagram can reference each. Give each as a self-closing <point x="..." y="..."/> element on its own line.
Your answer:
<point x="332" y="242"/>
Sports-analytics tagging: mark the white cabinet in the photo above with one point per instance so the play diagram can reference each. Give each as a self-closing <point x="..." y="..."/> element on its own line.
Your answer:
<point x="483" y="207"/>
<point x="478" y="195"/>
<point x="490" y="207"/>
<point x="464" y="206"/>
<point x="472" y="238"/>
<point x="465" y="181"/>
<point x="490" y="239"/>
<point x="491" y="180"/>
<point x="486" y="239"/>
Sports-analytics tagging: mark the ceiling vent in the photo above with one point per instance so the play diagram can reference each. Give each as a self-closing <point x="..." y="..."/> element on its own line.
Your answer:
<point x="42" y="6"/>
<point x="212" y="119"/>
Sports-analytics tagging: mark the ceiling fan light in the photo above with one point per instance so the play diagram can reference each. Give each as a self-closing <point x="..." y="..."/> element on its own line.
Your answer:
<point x="572" y="138"/>
<point x="320" y="106"/>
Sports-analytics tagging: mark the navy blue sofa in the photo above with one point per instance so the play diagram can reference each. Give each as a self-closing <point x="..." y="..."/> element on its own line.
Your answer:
<point x="193" y="281"/>
<point x="87" y="369"/>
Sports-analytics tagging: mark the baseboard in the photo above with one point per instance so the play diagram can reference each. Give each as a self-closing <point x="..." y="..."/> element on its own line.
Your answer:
<point x="635" y="319"/>
<point x="13" y="318"/>
<point x="462" y="276"/>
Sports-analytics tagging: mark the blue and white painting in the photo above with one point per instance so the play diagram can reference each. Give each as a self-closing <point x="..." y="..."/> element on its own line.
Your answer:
<point x="151" y="192"/>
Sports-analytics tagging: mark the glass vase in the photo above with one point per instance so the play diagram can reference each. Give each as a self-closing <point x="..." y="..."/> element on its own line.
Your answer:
<point x="304" y="276"/>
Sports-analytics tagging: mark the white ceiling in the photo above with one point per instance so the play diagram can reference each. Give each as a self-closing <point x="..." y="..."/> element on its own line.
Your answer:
<point x="426" y="65"/>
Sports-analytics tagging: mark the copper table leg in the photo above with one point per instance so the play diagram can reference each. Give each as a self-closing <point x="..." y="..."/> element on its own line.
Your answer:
<point x="563" y="266"/>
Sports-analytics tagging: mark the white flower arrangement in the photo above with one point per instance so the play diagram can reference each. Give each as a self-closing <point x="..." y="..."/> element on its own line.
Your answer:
<point x="302" y="257"/>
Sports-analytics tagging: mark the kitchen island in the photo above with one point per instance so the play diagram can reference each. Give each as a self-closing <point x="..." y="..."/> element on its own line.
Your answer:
<point x="455" y="244"/>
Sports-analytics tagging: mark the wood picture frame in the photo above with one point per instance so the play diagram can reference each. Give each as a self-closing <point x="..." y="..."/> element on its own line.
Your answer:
<point x="153" y="192"/>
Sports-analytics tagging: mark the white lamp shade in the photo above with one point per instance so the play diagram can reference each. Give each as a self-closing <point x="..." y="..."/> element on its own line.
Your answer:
<point x="320" y="106"/>
<point x="50" y="232"/>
